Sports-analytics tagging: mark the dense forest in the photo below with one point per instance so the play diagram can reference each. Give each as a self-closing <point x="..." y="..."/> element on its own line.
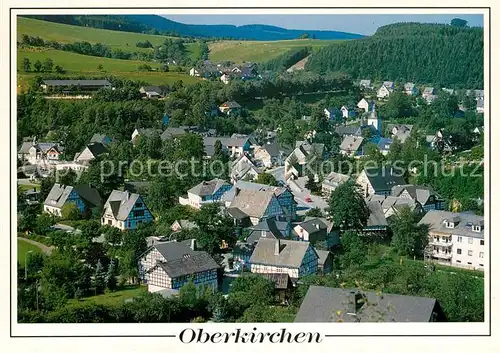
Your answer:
<point x="441" y="55"/>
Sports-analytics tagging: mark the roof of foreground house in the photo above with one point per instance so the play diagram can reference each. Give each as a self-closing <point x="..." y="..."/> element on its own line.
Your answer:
<point x="324" y="304"/>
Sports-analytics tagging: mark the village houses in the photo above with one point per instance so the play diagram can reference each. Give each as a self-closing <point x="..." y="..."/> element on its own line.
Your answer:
<point x="125" y="210"/>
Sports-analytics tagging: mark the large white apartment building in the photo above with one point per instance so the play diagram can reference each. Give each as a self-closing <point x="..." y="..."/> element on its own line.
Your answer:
<point x="456" y="239"/>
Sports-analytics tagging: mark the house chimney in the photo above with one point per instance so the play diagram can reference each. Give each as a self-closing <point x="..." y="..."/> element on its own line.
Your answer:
<point x="193" y="244"/>
<point x="355" y="302"/>
<point x="277" y="246"/>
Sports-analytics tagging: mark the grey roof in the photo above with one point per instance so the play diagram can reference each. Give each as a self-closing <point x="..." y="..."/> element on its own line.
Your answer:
<point x="272" y="148"/>
<point x="381" y="179"/>
<point x="121" y="203"/>
<point x="186" y="224"/>
<point x="181" y="260"/>
<point x="313" y="225"/>
<point x="59" y="194"/>
<point x="25" y="147"/>
<point x="321" y="304"/>
<point x="269" y="227"/>
<point x="225" y="141"/>
<point x="206" y="188"/>
<point x="253" y="203"/>
<point x="98" y="138"/>
<point x="172" y="131"/>
<point x="401" y="131"/>
<point x="347" y="130"/>
<point x="247" y="185"/>
<point x="335" y="179"/>
<point x="351" y="143"/>
<point x="377" y="218"/>
<point x="419" y="193"/>
<point x="231" y="104"/>
<point x="77" y="82"/>
<point x="291" y="253"/>
<point x="322" y="256"/>
<point x="463" y="223"/>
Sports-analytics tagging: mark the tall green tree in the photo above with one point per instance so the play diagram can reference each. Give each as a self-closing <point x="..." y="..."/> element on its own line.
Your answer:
<point x="409" y="238"/>
<point x="347" y="208"/>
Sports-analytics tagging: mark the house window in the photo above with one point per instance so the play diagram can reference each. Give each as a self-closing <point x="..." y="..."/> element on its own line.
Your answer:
<point x="481" y="254"/>
<point x="469" y="252"/>
<point x="481" y="242"/>
<point x="471" y="240"/>
<point x="459" y="239"/>
<point x="459" y="251"/>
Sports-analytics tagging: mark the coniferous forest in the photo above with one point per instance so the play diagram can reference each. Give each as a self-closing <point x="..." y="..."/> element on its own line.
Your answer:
<point x="441" y="55"/>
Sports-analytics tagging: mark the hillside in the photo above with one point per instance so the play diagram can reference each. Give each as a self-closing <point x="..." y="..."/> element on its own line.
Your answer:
<point x="424" y="53"/>
<point x="64" y="33"/>
<point x="154" y="23"/>
<point x="259" y="51"/>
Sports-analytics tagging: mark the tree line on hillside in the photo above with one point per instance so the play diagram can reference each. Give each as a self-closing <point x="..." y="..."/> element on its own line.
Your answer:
<point x="170" y="49"/>
<point x="285" y="60"/>
<point x="436" y="54"/>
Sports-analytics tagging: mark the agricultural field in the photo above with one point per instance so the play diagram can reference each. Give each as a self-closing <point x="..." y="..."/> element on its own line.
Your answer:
<point x="77" y="65"/>
<point x="63" y="33"/>
<point x="258" y="51"/>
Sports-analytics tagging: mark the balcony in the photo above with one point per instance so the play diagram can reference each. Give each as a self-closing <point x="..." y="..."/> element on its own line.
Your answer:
<point x="442" y="255"/>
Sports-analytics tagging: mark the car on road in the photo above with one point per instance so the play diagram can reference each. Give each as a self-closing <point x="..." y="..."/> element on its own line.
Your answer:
<point x="308" y="199"/>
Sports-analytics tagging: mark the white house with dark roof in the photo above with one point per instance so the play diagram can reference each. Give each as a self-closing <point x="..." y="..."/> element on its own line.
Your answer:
<point x="230" y="107"/>
<point x="456" y="239"/>
<point x="205" y="192"/>
<point x="295" y="258"/>
<point x="269" y="155"/>
<point x="125" y="210"/>
<point x="410" y="89"/>
<point x="90" y="152"/>
<point x="244" y="169"/>
<point x="426" y="196"/>
<point x="379" y="181"/>
<point x="167" y="266"/>
<point x="83" y="196"/>
<point x="400" y="131"/>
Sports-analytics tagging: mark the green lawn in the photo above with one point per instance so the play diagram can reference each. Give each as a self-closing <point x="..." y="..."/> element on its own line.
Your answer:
<point x="259" y="51"/>
<point x="79" y="65"/>
<point x="63" y="33"/>
<point x="22" y="249"/>
<point x="113" y="297"/>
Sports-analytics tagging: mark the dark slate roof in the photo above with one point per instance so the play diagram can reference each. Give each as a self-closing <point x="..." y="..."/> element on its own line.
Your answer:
<point x="382" y="179"/>
<point x="97" y="148"/>
<point x="323" y="304"/>
<point x="77" y="82"/>
<point x="199" y="261"/>
<point x="59" y="194"/>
